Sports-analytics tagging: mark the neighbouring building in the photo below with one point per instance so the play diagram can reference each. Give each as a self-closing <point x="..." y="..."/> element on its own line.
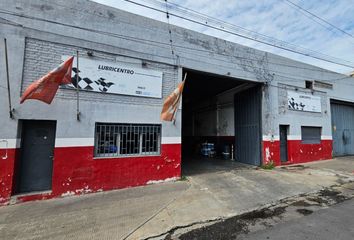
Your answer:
<point x="269" y="108"/>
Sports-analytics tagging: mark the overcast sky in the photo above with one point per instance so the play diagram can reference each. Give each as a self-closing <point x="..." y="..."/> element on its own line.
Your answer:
<point x="274" y="18"/>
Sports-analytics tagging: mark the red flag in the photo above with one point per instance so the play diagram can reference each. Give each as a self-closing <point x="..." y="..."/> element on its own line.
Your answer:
<point x="45" y="88"/>
<point x="172" y="101"/>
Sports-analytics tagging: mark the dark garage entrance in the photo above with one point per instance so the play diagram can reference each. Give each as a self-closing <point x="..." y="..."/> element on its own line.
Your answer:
<point x="221" y="113"/>
<point x="37" y="149"/>
<point x="342" y="128"/>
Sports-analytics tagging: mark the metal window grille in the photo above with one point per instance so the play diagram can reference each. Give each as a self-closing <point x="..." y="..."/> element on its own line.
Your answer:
<point x="120" y="140"/>
<point x="311" y="135"/>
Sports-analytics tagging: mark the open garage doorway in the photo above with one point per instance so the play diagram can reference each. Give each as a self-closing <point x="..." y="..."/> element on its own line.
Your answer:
<point x="221" y="123"/>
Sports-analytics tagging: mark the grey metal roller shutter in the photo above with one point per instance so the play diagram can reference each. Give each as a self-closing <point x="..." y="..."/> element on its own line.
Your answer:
<point x="342" y="128"/>
<point x="248" y="126"/>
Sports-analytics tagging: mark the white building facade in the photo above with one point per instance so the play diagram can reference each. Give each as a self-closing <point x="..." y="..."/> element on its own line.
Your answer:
<point x="267" y="107"/>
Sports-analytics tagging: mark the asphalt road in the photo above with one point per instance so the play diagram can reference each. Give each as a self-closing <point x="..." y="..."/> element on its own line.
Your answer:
<point x="336" y="222"/>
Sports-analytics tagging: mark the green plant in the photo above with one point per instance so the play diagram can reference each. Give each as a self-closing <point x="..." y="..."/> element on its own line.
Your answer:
<point x="269" y="165"/>
<point x="183" y="178"/>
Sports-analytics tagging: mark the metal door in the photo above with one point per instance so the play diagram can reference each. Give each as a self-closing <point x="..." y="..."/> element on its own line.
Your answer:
<point x="342" y="128"/>
<point x="248" y="126"/>
<point x="37" y="149"/>
<point x="283" y="135"/>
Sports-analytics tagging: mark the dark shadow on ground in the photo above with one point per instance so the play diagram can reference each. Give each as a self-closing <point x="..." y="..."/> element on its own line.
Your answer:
<point x="200" y="165"/>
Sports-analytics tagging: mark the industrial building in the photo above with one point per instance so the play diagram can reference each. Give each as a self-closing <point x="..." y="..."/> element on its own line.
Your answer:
<point x="108" y="135"/>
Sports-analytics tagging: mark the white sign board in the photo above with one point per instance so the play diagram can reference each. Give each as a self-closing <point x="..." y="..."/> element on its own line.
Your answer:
<point x="304" y="102"/>
<point x="112" y="77"/>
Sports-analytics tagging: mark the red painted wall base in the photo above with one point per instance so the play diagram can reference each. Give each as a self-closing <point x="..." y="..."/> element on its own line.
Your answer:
<point x="297" y="152"/>
<point x="7" y="166"/>
<point x="76" y="171"/>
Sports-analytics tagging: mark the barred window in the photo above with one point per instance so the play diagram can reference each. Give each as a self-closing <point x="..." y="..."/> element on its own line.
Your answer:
<point x="120" y="140"/>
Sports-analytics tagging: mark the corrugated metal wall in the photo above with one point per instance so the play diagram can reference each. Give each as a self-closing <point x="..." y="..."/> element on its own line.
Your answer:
<point x="342" y="128"/>
<point x="248" y="126"/>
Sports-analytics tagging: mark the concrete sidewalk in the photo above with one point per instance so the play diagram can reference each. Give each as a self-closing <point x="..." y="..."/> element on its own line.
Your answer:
<point x="154" y="210"/>
<point x="225" y="193"/>
<point x="107" y="215"/>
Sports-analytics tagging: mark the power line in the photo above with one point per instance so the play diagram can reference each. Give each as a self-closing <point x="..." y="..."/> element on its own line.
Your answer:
<point x="303" y="11"/>
<point x="308" y="79"/>
<point x="304" y="91"/>
<point x="247" y="34"/>
<point x="313" y="19"/>
<point x="296" y="79"/>
<point x="262" y="68"/>
<point x="153" y="42"/>
<point x="149" y="41"/>
<point x="131" y="39"/>
<point x="144" y="41"/>
<point x="169" y="28"/>
<point x="194" y="49"/>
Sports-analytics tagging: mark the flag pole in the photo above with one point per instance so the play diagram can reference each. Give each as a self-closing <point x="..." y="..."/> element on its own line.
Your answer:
<point x="77" y="87"/>
<point x="8" y="80"/>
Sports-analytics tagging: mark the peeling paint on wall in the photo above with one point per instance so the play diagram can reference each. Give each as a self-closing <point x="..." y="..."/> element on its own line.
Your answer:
<point x="83" y="174"/>
<point x="68" y="193"/>
<point x="162" y="181"/>
<point x="267" y="155"/>
<point x="297" y="152"/>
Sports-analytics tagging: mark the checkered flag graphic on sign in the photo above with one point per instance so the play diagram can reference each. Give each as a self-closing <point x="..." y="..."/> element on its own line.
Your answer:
<point x="103" y="85"/>
<point x="86" y="83"/>
<point x="83" y="83"/>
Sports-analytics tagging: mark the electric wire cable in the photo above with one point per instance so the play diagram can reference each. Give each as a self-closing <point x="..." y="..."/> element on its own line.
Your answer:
<point x="303" y="10"/>
<point x="254" y="36"/>
<point x="194" y="49"/>
<point x="185" y="47"/>
<point x="249" y="66"/>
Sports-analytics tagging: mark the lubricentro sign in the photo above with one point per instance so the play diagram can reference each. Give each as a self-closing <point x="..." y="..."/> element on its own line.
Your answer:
<point x="112" y="77"/>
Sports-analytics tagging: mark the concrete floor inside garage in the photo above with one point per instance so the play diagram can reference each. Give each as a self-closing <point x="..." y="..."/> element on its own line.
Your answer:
<point x="198" y="165"/>
<point x="208" y="116"/>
